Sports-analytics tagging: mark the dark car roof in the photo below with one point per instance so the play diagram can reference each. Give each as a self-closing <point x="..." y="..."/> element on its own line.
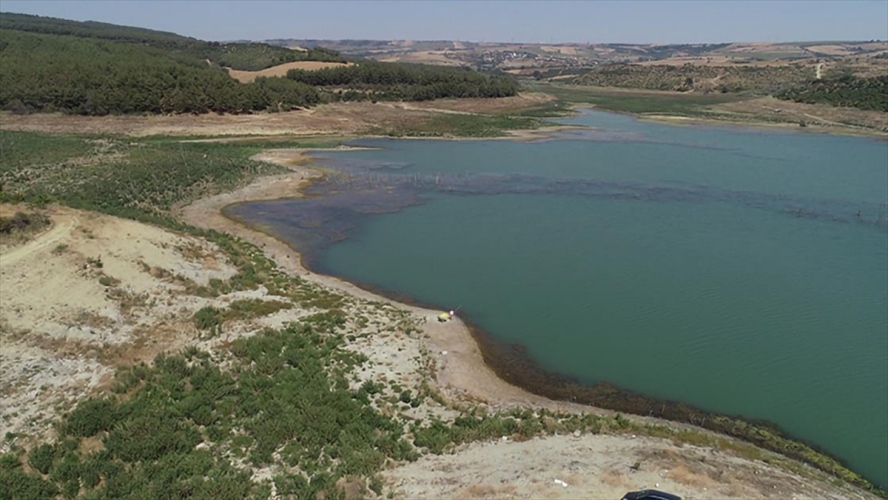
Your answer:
<point x="650" y="495"/>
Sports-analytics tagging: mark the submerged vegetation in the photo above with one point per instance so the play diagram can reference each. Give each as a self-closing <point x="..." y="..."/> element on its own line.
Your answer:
<point x="444" y="125"/>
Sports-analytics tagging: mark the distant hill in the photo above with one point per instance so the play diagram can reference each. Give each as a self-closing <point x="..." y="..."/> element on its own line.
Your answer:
<point x="91" y="68"/>
<point x="525" y="58"/>
<point x="687" y="77"/>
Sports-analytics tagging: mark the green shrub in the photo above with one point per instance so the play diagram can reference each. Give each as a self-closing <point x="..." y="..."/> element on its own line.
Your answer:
<point x="91" y="417"/>
<point x="16" y="484"/>
<point x="41" y="458"/>
<point x="208" y="318"/>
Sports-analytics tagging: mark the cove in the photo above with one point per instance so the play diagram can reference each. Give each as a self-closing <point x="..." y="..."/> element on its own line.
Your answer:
<point x="740" y="271"/>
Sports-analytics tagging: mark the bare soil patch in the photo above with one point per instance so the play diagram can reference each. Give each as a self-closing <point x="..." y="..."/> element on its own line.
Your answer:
<point x="77" y="300"/>
<point x="424" y="57"/>
<point x="597" y="466"/>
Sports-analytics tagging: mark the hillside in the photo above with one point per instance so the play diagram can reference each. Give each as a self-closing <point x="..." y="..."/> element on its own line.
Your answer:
<point x="238" y="56"/>
<point x="724" y="79"/>
<point x="54" y="65"/>
<point x="95" y="77"/>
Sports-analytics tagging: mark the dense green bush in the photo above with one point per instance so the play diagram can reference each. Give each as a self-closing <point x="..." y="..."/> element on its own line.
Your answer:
<point x="91" y="417"/>
<point x="41" y="458"/>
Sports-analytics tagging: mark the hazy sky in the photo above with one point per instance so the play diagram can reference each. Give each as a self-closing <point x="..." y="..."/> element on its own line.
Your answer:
<point x="477" y="20"/>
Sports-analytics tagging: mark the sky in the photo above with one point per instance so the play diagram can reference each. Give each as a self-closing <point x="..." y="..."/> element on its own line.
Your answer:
<point x="624" y="21"/>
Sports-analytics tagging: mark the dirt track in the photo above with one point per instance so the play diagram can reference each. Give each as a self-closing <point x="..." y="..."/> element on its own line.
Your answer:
<point x="62" y="228"/>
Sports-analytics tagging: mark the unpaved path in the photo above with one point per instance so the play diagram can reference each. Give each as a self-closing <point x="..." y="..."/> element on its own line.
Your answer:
<point x="63" y="225"/>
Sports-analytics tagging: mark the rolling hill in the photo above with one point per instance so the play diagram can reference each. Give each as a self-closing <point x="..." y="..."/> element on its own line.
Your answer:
<point x="89" y="68"/>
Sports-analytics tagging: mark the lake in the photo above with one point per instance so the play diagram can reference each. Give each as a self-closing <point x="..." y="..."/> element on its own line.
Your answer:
<point x="741" y="271"/>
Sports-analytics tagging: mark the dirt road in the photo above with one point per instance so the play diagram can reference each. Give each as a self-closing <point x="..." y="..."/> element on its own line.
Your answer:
<point x="63" y="226"/>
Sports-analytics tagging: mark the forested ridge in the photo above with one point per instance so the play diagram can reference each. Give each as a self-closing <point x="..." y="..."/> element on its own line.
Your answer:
<point x="40" y="72"/>
<point x="55" y="65"/>
<point x="415" y="82"/>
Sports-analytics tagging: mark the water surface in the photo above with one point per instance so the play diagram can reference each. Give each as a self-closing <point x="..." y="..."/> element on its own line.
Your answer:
<point x="741" y="271"/>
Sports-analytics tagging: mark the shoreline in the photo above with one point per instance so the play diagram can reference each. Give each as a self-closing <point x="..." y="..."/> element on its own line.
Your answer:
<point x="470" y="363"/>
<point x="461" y="371"/>
<point x="764" y="126"/>
<point x="753" y="124"/>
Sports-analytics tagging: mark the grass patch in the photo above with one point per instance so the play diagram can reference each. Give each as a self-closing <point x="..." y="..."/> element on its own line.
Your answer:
<point x="459" y="125"/>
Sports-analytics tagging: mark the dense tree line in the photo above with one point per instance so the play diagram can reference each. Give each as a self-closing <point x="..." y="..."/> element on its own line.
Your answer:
<point x="846" y="91"/>
<point x="40" y="72"/>
<point x="416" y="82"/>
<point x="240" y="56"/>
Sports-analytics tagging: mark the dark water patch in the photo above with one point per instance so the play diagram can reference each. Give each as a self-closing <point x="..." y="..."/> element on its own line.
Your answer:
<point x="358" y="188"/>
<point x="317" y="221"/>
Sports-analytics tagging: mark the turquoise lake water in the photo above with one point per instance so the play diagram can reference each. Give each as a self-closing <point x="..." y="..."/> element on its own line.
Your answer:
<point x="741" y="271"/>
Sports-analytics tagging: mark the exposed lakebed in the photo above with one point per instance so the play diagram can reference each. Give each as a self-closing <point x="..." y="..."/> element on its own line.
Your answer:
<point x="739" y="271"/>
